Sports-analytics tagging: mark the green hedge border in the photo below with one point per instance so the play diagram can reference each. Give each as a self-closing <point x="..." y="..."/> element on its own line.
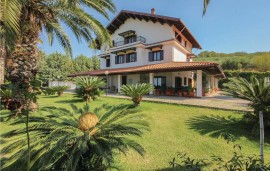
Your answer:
<point x="244" y="74"/>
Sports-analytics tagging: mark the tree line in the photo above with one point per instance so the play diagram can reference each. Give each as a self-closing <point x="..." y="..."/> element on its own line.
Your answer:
<point x="258" y="61"/>
<point x="57" y="66"/>
<point x="205" y="54"/>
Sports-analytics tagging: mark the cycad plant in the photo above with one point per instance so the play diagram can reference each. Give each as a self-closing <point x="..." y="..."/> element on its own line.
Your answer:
<point x="73" y="140"/>
<point x="89" y="87"/>
<point x="136" y="91"/>
<point x="257" y="92"/>
<point x="60" y="89"/>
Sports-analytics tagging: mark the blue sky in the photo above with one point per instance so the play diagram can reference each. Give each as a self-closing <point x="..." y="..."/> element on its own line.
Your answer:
<point x="228" y="26"/>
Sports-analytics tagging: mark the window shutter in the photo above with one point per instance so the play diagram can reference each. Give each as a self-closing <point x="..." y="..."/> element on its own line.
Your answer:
<point x="116" y="60"/>
<point x="127" y="58"/>
<point x="150" y="56"/>
<point x="161" y="55"/>
<point x="124" y="58"/>
<point x="135" y="57"/>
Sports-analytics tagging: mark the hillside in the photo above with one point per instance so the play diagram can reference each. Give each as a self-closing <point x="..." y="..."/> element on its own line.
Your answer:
<point x="259" y="61"/>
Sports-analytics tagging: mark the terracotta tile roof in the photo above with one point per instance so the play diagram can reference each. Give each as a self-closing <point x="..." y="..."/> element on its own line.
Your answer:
<point x="210" y="67"/>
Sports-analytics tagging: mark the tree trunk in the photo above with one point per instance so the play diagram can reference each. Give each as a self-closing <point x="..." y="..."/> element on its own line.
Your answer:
<point x="23" y="60"/>
<point x="261" y="137"/>
<point x="2" y="69"/>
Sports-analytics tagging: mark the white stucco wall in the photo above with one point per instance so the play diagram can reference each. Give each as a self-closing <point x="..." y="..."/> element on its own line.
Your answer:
<point x="179" y="55"/>
<point x="153" y="32"/>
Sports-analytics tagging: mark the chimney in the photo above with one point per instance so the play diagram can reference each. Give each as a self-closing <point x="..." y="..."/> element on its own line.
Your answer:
<point x="153" y="11"/>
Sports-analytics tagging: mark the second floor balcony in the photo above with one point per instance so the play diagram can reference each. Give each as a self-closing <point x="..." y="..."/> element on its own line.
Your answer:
<point x="129" y="40"/>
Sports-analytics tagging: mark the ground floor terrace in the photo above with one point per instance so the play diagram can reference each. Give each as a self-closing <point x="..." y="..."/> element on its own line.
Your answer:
<point x="171" y="79"/>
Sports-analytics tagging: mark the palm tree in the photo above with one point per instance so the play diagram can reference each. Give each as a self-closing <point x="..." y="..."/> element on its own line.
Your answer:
<point x="74" y="140"/>
<point x="205" y="4"/>
<point x="257" y="92"/>
<point x="31" y="17"/>
<point x="136" y="91"/>
<point x="89" y="87"/>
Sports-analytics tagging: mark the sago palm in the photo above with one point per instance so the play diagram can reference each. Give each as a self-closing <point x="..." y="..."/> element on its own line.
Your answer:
<point x="257" y="92"/>
<point x="136" y="91"/>
<point x="74" y="140"/>
<point x="89" y="87"/>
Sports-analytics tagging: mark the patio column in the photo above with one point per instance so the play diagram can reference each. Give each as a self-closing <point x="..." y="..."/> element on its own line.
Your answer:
<point x="212" y="82"/>
<point x="199" y="83"/>
<point x="118" y="83"/>
<point x="216" y="83"/>
<point x="151" y="81"/>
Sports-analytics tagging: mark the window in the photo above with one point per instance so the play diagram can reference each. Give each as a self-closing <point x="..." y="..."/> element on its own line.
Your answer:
<point x="108" y="62"/>
<point x="185" y="43"/>
<point x="131" y="57"/>
<point x="178" y="37"/>
<point x="130" y="39"/>
<point x="159" y="81"/>
<point x="119" y="59"/>
<point x="185" y="81"/>
<point x="156" y="56"/>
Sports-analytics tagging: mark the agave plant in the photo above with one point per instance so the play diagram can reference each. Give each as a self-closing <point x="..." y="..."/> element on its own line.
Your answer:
<point x="89" y="87"/>
<point x="60" y="89"/>
<point x="136" y="91"/>
<point x="74" y="140"/>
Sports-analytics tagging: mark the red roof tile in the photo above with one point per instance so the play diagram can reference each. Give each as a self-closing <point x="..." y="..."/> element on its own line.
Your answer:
<point x="210" y="67"/>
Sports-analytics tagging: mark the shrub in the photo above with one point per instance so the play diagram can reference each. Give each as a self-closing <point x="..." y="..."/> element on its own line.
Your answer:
<point x="136" y="91"/>
<point x="59" y="89"/>
<point x="244" y="74"/>
<point x="262" y="62"/>
<point x="89" y="87"/>
<point x="48" y="91"/>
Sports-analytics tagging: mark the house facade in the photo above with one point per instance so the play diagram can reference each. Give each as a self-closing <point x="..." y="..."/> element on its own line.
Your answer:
<point x="149" y="48"/>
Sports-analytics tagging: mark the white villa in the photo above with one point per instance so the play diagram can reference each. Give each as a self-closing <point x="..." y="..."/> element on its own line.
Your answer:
<point x="155" y="49"/>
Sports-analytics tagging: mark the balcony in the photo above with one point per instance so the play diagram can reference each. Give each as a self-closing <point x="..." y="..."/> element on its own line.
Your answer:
<point x="128" y="41"/>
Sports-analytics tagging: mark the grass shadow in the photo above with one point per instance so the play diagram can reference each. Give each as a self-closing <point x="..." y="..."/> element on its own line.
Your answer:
<point x="214" y="126"/>
<point x="49" y="96"/>
<point x="73" y="100"/>
<point x="172" y="169"/>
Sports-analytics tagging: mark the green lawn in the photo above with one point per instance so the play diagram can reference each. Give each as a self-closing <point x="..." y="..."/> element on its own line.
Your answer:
<point x="175" y="128"/>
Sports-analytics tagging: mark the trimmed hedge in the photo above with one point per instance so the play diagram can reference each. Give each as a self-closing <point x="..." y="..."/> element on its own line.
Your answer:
<point x="244" y="74"/>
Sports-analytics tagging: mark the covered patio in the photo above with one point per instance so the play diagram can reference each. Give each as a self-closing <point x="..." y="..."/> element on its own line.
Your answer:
<point x="171" y="79"/>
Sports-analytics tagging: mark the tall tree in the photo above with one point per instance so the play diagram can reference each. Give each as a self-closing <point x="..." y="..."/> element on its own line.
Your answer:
<point x="205" y="4"/>
<point x="82" y="63"/>
<point x="55" y="66"/>
<point x="48" y="16"/>
<point x="96" y="62"/>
